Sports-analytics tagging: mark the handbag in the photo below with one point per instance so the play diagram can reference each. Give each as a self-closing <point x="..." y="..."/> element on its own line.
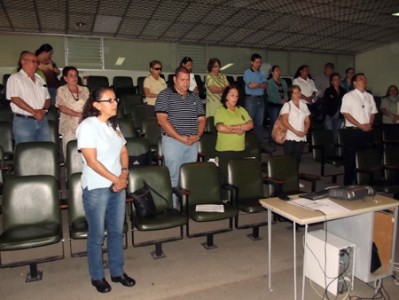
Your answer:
<point x="279" y="132"/>
<point x="143" y="201"/>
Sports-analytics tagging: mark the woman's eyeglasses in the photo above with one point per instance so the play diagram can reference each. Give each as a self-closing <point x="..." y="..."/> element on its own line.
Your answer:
<point x="109" y="100"/>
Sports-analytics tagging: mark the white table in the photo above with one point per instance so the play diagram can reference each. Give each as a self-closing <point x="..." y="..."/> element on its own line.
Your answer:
<point x="301" y="216"/>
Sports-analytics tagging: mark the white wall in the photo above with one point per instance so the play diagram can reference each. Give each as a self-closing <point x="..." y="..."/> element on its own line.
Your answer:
<point x="381" y="67"/>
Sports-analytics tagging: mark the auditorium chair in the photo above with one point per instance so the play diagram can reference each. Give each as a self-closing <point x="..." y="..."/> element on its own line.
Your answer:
<point x="167" y="224"/>
<point x="31" y="219"/>
<point x="245" y="177"/>
<point x="78" y="227"/>
<point x="325" y="151"/>
<point x="199" y="185"/>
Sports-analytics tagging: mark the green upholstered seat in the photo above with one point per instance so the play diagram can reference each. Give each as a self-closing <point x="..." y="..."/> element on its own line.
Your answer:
<point x="201" y="182"/>
<point x="129" y="99"/>
<point x="36" y="158"/>
<point x="206" y="146"/>
<point x="6" y="140"/>
<point x="127" y="127"/>
<point x="158" y="178"/>
<point x="245" y="177"/>
<point x="138" y="115"/>
<point x="78" y="227"/>
<point x="152" y="132"/>
<point x="31" y="217"/>
<point x="324" y="150"/>
<point x="284" y="177"/>
<point x="370" y="171"/>
<point x="73" y="161"/>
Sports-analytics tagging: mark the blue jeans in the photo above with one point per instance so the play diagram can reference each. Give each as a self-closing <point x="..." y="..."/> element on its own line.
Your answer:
<point x="30" y="130"/>
<point x="176" y="154"/>
<point x="256" y="110"/>
<point x="334" y="124"/>
<point x="104" y="210"/>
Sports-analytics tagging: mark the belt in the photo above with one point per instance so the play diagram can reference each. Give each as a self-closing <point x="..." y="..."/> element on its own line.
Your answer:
<point x="255" y="96"/>
<point x="352" y="127"/>
<point x="24" y="116"/>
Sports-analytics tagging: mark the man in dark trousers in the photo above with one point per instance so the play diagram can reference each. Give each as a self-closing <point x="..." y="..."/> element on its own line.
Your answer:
<point x="359" y="109"/>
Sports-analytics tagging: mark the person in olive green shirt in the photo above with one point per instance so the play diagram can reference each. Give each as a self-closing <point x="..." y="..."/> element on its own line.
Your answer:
<point x="231" y="122"/>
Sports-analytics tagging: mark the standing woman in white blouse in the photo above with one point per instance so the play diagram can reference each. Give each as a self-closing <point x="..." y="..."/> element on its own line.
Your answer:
<point x="295" y="117"/>
<point x="70" y="100"/>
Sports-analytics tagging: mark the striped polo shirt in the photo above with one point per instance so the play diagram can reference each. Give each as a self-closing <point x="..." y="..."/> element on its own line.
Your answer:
<point x="183" y="112"/>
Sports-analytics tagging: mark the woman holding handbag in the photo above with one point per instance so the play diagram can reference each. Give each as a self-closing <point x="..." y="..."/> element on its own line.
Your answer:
<point x="295" y="117"/>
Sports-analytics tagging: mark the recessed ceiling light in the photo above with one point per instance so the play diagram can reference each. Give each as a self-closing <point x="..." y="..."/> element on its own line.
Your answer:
<point x="119" y="61"/>
<point x="80" y="24"/>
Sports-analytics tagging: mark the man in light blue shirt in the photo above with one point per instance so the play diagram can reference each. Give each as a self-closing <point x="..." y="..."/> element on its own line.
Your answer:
<point x="255" y="85"/>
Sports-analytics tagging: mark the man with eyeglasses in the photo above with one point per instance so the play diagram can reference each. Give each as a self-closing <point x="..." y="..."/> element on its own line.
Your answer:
<point x="359" y="109"/>
<point x="182" y="119"/>
<point x="30" y="101"/>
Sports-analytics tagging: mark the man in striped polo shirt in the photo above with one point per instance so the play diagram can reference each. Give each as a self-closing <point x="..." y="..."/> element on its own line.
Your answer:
<point x="182" y="119"/>
<point x="30" y="100"/>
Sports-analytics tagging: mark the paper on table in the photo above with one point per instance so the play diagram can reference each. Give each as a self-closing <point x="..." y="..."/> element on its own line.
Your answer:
<point x="324" y="205"/>
<point x="209" y="208"/>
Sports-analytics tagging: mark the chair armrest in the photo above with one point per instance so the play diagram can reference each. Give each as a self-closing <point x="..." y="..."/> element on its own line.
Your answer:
<point x="277" y="183"/>
<point x="368" y="171"/>
<point x="183" y="196"/>
<point x="180" y="192"/>
<point x="234" y="193"/>
<point x="273" y="180"/>
<point x="392" y="167"/>
<point x="311" y="178"/>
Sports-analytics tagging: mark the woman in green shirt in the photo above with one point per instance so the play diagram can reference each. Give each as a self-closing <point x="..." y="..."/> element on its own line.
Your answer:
<point x="231" y="121"/>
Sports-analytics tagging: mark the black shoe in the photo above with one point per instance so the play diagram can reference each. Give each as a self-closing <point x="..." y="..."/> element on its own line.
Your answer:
<point x="102" y="285"/>
<point x="124" y="279"/>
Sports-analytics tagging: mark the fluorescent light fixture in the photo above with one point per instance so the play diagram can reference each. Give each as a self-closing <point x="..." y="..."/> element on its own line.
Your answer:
<point x="120" y="61"/>
<point x="396" y="14"/>
<point x="226" y="66"/>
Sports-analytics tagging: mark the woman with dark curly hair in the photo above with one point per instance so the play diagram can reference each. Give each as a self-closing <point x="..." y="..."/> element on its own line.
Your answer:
<point x="104" y="179"/>
<point x="231" y="121"/>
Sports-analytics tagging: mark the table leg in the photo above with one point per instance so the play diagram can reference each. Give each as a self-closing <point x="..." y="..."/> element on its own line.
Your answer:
<point x="269" y="236"/>
<point x="304" y="261"/>
<point x="294" y="251"/>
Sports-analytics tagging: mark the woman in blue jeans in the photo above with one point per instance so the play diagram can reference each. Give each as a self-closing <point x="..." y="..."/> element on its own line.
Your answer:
<point x="104" y="179"/>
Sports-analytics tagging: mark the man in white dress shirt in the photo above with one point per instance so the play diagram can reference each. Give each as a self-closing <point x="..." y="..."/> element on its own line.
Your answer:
<point x="30" y="101"/>
<point x="359" y="109"/>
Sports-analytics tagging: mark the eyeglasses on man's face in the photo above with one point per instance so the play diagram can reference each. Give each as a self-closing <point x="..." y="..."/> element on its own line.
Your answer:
<point x="157" y="69"/>
<point x="109" y="100"/>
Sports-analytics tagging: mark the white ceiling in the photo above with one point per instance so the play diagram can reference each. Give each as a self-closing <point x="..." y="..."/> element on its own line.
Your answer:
<point x="328" y="26"/>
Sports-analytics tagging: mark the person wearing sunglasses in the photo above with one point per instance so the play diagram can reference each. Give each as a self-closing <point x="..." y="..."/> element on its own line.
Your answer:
<point x="104" y="179"/>
<point x="153" y="84"/>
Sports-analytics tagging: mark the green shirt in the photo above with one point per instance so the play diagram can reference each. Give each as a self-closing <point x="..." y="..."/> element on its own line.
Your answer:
<point x="231" y="141"/>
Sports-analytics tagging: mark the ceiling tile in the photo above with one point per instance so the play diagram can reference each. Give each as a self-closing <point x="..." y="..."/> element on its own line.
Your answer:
<point x="132" y="26"/>
<point x="155" y="28"/>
